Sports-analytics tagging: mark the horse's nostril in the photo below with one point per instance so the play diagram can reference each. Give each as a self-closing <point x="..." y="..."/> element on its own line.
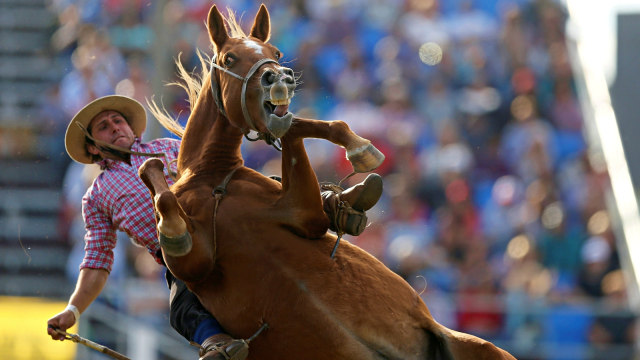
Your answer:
<point x="268" y="78"/>
<point x="288" y="72"/>
<point x="288" y="76"/>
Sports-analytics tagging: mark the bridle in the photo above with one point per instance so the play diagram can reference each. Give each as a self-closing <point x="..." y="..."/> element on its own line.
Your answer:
<point x="215" y="92"/>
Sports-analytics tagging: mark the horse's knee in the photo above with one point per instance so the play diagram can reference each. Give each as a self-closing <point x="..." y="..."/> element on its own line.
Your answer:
<point x="150" y="167"/>
<point x="351" y="141"/>
<point x="340" y="126"/>
<point x="170" y="222"/>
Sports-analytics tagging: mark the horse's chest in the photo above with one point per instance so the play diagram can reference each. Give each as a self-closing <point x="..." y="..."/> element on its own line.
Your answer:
<point x="238" y="206"/>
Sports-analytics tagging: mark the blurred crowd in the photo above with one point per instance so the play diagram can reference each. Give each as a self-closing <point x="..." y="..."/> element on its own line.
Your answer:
<point x="494" y="208"/>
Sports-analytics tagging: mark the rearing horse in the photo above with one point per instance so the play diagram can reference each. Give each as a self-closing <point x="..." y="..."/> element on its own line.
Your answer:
<point x="257" y="251"/>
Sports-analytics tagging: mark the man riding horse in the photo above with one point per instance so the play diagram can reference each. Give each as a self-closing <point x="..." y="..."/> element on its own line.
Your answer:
<point x="108" y="132"/>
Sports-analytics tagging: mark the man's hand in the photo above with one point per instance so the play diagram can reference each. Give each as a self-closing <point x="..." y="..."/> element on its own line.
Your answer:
<point x="88" y="287"/>
<point x="62" y="321"/>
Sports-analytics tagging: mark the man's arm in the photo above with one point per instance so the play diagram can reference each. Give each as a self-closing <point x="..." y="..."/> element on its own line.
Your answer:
<point x="89" y="285"/>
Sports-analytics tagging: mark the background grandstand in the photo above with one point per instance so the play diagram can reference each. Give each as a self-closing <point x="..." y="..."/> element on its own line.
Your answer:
<point x="498" y="205"/>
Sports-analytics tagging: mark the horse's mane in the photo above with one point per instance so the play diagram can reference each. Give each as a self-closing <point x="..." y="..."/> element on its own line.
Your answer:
<point x="192" y="82"/>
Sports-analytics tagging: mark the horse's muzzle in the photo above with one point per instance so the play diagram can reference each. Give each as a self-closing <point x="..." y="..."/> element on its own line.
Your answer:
<point x="278" y="86"/>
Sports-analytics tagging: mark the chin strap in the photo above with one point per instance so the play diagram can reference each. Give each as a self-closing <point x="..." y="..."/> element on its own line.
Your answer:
<point x="268" y="138"/>
<point x="122" y="152"/>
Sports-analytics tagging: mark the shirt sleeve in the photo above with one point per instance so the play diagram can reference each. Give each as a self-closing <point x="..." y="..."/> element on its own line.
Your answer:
<point x="100" y="237"/>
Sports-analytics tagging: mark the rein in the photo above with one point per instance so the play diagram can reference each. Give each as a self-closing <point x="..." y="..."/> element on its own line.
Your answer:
<point x="114" y="149"/>
<point x="217" y="97"/>
<point x="218" y="193"/>
<point x="90" y="344"/>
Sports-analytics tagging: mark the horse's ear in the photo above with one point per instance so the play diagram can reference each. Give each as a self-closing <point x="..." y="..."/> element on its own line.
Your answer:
<point x="261" y="29"/>
<point x="217" y="30"/>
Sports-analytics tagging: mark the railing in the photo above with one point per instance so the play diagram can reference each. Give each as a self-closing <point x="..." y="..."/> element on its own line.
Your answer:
<point x="131" y="337"/>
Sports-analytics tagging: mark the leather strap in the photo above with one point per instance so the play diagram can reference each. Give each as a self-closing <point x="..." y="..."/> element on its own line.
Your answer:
<point x="114" y="149"/>
<point x="215" y="88"/>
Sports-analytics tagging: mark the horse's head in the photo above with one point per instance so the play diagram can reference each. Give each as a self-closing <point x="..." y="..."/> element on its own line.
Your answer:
<point x="248" y="84"/>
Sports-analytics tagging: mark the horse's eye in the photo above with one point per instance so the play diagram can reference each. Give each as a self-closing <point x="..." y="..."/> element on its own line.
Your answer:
<point x="278" y="55"/>
<point x="228" y="60"/>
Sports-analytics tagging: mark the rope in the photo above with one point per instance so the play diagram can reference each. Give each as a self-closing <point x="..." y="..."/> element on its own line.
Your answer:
<point x="345" y="178"/>
<point x="88" y="343"/>
<point x="114" y="149"/>
<point x="335" y="247"/>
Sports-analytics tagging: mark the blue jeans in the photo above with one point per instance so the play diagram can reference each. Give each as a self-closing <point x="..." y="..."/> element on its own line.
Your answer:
<point x="187" y="316"/>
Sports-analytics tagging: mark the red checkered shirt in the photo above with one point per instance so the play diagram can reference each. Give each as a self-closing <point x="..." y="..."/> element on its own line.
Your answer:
<point x="119" y="200"/>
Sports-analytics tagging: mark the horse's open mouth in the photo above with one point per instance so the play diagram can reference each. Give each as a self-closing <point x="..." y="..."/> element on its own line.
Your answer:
<point x="278" y="108"/>
<point x="278" y="118"/>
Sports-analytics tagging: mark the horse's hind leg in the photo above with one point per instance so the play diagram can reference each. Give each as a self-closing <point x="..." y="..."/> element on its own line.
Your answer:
<point x="172" y="222"/>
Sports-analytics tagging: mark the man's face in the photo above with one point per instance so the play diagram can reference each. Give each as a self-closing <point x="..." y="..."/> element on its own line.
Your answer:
<point x="111" y="127"/>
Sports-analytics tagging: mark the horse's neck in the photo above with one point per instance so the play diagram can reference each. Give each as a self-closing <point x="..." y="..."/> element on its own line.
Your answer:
<point x="210" y="143"/>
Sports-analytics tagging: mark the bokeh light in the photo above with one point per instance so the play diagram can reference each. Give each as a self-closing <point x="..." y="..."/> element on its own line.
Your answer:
<point x="518" y="247"/>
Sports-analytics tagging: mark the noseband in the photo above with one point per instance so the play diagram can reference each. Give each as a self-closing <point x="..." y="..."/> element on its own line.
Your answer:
<point x="215" y="91"/>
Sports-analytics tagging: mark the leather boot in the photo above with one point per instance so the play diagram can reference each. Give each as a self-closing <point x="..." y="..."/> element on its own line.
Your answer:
<point x="346" y="208"/>
<point x="223" y="347"/>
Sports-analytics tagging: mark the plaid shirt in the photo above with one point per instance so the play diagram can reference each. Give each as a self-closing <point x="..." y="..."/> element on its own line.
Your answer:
<point x="119" y="200"/>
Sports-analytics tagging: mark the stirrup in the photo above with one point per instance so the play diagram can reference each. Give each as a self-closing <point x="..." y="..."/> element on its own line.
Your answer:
<point x="344" y="219"/>
<point x="346" y="208"/>
<point x="236" y="349"/>
<point x="349" y="220"/>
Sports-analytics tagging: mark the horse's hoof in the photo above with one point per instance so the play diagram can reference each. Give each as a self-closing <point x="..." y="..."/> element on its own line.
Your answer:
<point x="175" y="246"/>
<point x="366" y="158"/>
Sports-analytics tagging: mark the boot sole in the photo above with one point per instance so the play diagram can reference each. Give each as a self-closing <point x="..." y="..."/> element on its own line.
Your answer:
<point x="371" y="193"/>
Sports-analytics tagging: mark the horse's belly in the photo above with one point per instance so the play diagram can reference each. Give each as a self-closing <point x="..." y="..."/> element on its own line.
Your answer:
<point x="350" y="307"/>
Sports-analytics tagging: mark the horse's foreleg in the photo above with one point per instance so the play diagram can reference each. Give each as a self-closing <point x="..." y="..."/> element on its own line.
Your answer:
<point x="364" y="157"/>
<point x="172" y="221"/>
<point x="301" y="191"/>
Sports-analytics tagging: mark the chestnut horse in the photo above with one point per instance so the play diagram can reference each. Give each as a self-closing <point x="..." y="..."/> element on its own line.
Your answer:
<point x="256" y="251"/>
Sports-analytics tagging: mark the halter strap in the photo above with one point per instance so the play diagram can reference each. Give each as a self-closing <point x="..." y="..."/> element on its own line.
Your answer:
<point x="243" y="98"/>
<point x="215" y="91"/>
<point x="245" y="80"/>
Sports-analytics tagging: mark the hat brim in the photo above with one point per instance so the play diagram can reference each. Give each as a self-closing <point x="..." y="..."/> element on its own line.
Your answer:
<point x="74" y="138"/>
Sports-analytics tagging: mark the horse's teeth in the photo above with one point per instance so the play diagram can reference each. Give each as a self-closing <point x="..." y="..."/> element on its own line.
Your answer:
<point x="280" y="102"/>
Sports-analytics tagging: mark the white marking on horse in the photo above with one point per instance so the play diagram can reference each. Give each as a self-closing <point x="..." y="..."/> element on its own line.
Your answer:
<point x="254" y="45"/>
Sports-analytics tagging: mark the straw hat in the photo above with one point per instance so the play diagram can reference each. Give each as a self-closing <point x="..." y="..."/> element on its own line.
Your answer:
<point x="75" y="140"/>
